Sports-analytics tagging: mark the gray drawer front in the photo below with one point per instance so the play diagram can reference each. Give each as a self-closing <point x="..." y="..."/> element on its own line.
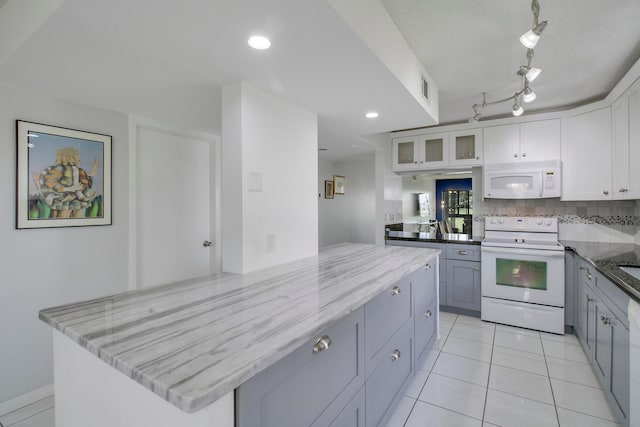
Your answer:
<point x="425" y="328"/>
<point x="316" y="382"/>
<point x="423" y="284"/>
<point x="352" y="415"/>
<point x="389" y="377"/>
<point x="616" y="296"/>
<point x="384" y="315"/>
<point x="463" y="252"/>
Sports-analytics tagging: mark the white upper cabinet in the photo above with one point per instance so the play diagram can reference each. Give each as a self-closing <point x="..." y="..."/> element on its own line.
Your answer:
<point x="586" y="156"/>
<point x="438" y="150"/>
<point x="626" y="145"/>
<point x="465" y="147"/>
<point x="531" y="141"/>
<point x="414" y="153"/>
<point x="502" y="144"/>
<point x="540" y="140"/>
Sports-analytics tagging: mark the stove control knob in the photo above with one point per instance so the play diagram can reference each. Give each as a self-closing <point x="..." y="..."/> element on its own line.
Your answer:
<point x="547" y="222"/>
<point x="539" y="221"/>
<point x="501" y="221"/>
<point x="493" y="221"/>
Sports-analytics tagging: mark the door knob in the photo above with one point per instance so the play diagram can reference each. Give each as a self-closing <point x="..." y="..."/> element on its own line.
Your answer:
<point x="206" y="243"/>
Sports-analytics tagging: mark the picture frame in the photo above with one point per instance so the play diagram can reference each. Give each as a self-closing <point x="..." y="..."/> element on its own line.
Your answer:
<point x="328" y="189"/>
<point x="338" y="184"/>
<point x="63" y="177"/>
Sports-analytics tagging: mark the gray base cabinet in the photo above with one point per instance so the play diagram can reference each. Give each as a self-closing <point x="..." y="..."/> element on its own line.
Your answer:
<point x="463" y="284"/>
<point x="327" y="380"/>
<point x="601" y="323"/>
<point x="364" y="363"/>
<point x="459" y="276"/>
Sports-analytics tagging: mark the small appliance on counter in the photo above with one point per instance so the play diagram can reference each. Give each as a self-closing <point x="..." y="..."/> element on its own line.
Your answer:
<point x="523" y="273"/>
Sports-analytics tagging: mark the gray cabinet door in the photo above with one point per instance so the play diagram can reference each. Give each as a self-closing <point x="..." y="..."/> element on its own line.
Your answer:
<point x="463" y="284"/>
<point x="299" y="388"/>
<point x="602" y="342"/>
<point x="353" y="415"/>
<point x="425" y="329"/>
<point x="390" y="376"/>
<point x="443" y="280"/>
<point x="423" y="285"/>
<point x="620" y="367"/>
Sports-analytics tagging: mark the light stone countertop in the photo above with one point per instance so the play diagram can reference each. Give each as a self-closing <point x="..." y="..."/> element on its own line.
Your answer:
<point x="193" y="342"/>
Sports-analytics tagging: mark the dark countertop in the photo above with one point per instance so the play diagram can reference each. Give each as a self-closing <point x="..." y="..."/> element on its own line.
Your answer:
<point x="432" y="237"/>
<point x="606" y="257"/>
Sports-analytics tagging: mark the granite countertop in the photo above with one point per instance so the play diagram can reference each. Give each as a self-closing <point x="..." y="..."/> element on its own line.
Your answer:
<point x="433" y="237"/>
<point x="606" y="257"/>
<point x="195" y="341"/>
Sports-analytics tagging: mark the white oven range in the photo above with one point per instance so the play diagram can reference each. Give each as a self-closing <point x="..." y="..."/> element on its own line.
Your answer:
<point x="523" y="273"/>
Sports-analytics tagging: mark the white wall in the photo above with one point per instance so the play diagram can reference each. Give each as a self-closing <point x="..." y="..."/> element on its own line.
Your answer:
<point x="271" y="144"/>
<point x="351" y="217"/>
<point x="46" y="267"/>
<point x="332" y="213"/>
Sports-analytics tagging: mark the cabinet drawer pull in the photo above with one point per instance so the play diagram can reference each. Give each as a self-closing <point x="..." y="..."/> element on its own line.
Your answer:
<point x="428" y="313"/>
<point x="605" y="320"/>
<point x="463" y="252"/>
<point x="395" y="290"/>
<point x="605" y="192"/>
<point x="395" y="355"/>
<point x="323" y="343"/>
<point x="428" y="266"/>
<point x="589" y="276"/>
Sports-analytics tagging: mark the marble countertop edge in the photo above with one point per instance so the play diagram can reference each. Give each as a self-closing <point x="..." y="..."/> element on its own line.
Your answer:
<point x="192" y="400"/>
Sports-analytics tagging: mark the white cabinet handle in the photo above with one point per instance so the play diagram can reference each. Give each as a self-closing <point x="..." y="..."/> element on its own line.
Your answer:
<point x="395" y="290"/>
<point x="395" y="355"/>
<point x="323" y="343"/>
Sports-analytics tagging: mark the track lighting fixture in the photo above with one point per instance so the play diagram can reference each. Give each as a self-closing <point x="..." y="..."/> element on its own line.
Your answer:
<point x="526" y="72"/>
<point x="517" y="108"/>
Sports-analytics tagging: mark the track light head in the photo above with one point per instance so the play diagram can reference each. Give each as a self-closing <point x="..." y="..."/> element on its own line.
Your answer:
<point x="528" y="95"/>
<point x="533" y="73"/>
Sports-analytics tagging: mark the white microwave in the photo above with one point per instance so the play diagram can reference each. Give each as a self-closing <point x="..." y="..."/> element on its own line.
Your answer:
<point x="523" y="180"/>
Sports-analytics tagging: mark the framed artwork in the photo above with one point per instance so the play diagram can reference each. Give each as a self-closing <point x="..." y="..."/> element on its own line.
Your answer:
<point x="64" y="177"/>
<point x="328" y="189"/>
<point x="338" y="184"/>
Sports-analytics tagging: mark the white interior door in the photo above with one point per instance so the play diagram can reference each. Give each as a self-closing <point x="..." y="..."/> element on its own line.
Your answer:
<point x="174" y="207"/>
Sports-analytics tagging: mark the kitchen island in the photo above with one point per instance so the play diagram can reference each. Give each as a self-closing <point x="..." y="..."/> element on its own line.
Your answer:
<point x="193" y="343"/>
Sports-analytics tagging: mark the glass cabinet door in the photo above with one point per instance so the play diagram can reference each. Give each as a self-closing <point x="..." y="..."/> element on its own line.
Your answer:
<point x="466" y="147"/>
<point x="434" y="150"/>
<point x="405" y="153"/>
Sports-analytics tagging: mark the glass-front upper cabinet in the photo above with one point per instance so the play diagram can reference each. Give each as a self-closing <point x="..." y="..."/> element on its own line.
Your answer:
<point x="434" y="151"/>
<point x="421" y="152"/>
<point x="465" y="147"/>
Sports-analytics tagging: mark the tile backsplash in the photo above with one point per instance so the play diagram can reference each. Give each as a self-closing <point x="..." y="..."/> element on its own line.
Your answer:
<point x="615" y="221"/>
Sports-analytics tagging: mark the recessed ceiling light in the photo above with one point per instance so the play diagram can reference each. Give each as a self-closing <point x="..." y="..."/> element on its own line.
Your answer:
<point x="259" y="42"/>
<point x="371" y="115"/>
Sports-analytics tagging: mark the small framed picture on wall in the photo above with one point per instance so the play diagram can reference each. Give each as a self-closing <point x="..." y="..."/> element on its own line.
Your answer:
<point x="338" y="184"/>
<point x="328" y="189"/>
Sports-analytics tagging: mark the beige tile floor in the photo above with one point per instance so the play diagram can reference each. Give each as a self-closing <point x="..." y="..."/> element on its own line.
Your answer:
<point x="495" y="375"/>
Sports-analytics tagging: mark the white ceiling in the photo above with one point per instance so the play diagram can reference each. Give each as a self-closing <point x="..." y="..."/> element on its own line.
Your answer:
<point x="167" y="60"/>
<point x="470" y="47"/>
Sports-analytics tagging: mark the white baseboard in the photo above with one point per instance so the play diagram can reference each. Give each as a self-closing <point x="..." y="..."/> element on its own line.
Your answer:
<point x="25" y="400"/>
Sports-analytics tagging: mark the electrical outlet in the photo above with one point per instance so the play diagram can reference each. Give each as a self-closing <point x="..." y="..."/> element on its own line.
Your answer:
<point x="271" y="243"/>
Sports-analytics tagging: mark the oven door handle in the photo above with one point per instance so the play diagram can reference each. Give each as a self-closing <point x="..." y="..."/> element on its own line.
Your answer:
<point x="532" y="252"/>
